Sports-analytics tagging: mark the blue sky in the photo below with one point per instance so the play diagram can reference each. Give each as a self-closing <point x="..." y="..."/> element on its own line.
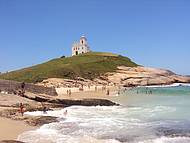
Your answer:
<point x="153" y="33"/>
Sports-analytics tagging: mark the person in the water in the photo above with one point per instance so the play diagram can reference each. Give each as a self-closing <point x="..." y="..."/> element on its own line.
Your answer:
<point x="65" y="113"/>
<point x="44" y="108"/>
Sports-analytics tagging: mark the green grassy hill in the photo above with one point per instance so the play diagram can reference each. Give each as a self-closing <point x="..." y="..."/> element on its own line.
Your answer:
<point x="88" y="66"/>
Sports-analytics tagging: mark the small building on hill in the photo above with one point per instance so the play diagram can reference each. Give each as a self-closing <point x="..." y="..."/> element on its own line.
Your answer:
<point x="80" y="47"/>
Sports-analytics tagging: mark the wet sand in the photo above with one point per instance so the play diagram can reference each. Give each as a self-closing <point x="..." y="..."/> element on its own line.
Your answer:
<point x="10" y="129"/>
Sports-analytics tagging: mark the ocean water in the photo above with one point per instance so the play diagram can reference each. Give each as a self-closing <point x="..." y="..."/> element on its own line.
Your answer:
<point x="146" y="115"/>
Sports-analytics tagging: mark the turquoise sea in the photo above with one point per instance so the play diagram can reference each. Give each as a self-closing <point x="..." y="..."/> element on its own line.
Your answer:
<point x="147" y="115"/>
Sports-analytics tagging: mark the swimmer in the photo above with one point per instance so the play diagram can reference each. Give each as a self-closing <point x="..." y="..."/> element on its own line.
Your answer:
<point x="65" y="113"/>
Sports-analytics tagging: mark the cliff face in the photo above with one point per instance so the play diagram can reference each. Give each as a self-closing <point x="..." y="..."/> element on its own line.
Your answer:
<point x="133" y="76"/>
<point x="124" y="76"/>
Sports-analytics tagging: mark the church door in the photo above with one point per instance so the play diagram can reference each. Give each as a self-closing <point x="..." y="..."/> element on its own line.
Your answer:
<point x="77" y="53"/>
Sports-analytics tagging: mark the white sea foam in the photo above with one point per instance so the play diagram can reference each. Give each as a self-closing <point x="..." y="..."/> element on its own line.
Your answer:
<point x="168" y="140"/>
<point x="170" y="85"/>
<point x="153" y="118"/>
<point x="93" y="124"/>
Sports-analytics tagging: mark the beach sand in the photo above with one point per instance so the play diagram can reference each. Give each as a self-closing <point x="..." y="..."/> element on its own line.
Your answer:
<point x="10" y="129"/>
<point x="87" y="93"/>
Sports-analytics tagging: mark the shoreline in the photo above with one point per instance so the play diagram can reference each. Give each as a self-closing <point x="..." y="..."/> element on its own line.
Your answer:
<point x="14" y="124"/>
<point x="168" y="85"/>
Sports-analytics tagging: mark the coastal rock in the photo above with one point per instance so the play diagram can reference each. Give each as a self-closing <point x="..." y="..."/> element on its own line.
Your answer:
<point x="10" y="141"/>
<point x="84" y="102"/>
<point x="56" y="102"/>
<point x="135" y="76"/>
<point x="10" y="86"/>
<point x="124" y="76"/>
<point x="40" y="120"/>
<point x="67" y="83"/>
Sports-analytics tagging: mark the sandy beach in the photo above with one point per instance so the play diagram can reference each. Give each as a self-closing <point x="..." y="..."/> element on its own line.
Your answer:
<point x="87" y="93"/>
<point x="10" y="129"/>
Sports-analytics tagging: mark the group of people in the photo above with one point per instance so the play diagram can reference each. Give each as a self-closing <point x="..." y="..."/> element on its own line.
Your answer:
<point x="104" y="89"/>
<point x="81" y="88"/>
<point x="69" y="92"/>
<point x="147" y="91"/>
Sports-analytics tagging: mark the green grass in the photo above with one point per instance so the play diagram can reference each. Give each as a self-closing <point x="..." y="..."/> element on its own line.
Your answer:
<point x="90" y="66"/>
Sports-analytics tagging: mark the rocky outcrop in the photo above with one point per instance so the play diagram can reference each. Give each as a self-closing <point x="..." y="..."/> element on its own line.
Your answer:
<point x="14" y="86"/>
<point x="10" y="141"/>
<point x="134" y="76"/>
<point x="67" y="83"/>
<point x="67" y="102"/>
<point x="124" y="76"/>
<point x="40" y="120"/>
<point x="84" y="102"/>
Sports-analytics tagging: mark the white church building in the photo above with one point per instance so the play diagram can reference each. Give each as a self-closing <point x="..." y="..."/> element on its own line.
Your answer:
<point x="80" y="47"/>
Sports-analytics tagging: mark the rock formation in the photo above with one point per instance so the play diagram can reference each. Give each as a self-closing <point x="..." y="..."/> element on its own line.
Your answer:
<point x="14" y="87"/>
<point x="123" y="76"/>
<point x="134" y="76"/>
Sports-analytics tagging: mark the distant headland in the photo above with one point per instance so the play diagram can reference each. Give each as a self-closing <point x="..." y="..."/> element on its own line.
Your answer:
<point x="102" y="67"/>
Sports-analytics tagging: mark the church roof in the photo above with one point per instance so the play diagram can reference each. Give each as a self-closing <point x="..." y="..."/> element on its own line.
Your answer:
<point x="83" y="37"/>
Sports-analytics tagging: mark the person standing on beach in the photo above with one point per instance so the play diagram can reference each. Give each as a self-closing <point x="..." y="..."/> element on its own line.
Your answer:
<point x="88" y="86"/>
<point x="21" y="106"/>
<point x="22" y="85"/>
<point x="95" y="88"/>
<point x="22" y="88"/>
<point x="108" y="92"/>
<point x="69" y="92"/>
<point x="82" y="87"/>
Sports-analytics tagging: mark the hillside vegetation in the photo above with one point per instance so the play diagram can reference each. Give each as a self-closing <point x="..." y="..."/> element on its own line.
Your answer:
<point x="90" y="66"/>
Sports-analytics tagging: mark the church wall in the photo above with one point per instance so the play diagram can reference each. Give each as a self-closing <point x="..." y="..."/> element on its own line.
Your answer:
<point x="81" y="47"/>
